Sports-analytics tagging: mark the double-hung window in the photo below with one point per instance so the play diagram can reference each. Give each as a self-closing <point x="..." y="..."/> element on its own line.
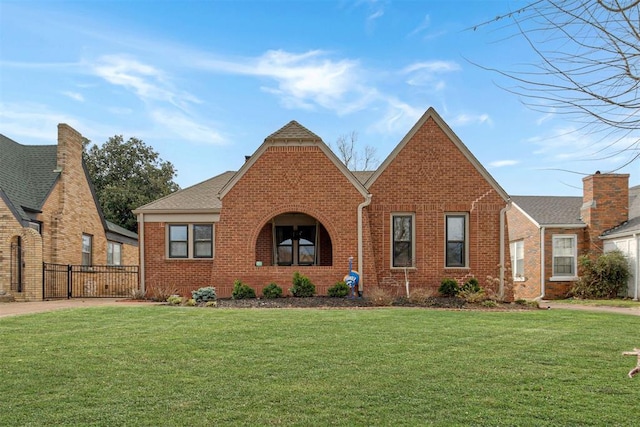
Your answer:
<point x="456" y="244"/>
<point x="114" y="253"/>
<point x="517" y="260"/>
<point x="565" y="256"/>
<point x="403" y="245"/>
<point x="190" y="240"/>
<point x="87" y="249"/>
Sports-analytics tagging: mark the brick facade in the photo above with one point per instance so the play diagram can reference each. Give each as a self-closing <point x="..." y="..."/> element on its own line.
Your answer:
<point x="429" y="175"/>
<point x="68" y="212"/>
<point x="605" y="204"/>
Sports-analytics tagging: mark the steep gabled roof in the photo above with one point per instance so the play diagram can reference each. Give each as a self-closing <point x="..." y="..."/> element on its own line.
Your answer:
<point x="432" y="114"/>
<point x="201" y="197"/>
<point x="27" y="176"/>
<point x="293" y="133"/>
<point x="551" y="210"/>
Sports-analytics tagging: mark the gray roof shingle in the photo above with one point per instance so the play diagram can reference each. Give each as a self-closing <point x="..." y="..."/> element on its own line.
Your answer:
<point x="551" y="210"/>
<point x="201" y="196"/>
<point x="27" y="175"/>
<point x="293" y="131"/>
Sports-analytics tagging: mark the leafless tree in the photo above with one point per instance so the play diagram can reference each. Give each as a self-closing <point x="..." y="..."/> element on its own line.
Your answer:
<point x="355" y="160"/>
<point x="588" y="65"/>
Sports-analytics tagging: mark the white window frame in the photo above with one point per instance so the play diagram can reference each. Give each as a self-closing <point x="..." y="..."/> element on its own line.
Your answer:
<point x="393" y="215"/>
<point x="465" y="215"/>
<point x="514" y="246"/>
<point x="564" y="277"/>
<point x="112" y="259"/>
<point x="87" y="243"/>
<point x="190" y="242"/>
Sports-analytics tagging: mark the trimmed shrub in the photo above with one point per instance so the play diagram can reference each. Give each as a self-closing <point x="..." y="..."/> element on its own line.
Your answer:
<point x="272" y="290"/>
<point x="205" y="294"/>
<point x="302" y="286"/>
<point x="242" y="291"/>
<point x="471" y="296"/>
<point x="449" y="287"/>
<point x="471" y="285"/>
<point x="604" y="277"/>
<point x="190" y="302"/>
<point x="339" y="290"/>
<point x="174" y="300"/>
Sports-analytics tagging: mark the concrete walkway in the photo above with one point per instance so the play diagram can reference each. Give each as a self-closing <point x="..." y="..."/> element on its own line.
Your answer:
<point x="17" y="308"/>
<point x="634" y="311"/>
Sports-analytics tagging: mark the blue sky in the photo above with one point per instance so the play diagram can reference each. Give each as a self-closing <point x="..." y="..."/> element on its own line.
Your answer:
<point x="204" y="82"/>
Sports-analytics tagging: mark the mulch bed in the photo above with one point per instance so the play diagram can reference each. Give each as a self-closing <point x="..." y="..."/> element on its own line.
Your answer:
<point x="329" y="302"/>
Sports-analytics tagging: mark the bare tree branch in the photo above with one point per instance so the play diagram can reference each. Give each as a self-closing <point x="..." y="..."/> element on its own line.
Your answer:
<point x="355" y="160"/>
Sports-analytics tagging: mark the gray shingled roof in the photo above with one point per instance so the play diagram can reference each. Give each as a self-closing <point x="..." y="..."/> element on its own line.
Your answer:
<point x="551" y="210"/>
<point x="202" y="196"/>
<point x="26" y="175"/>
<point x="293" y="131"/>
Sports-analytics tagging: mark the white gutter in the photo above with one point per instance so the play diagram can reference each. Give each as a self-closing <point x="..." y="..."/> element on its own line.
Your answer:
<point x="503" y="213"/>
<point x="361" y="206"/>
<point x="542" y="272"/>
<point x="141" y="254"/>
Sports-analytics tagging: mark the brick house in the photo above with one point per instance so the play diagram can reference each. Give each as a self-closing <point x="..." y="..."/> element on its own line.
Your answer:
<point x="547" y="234"/>
<point x="49" y="213"/>
<point x="429" y="211"/>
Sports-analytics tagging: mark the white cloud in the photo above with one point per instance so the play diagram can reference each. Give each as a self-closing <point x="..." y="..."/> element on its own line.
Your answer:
<point x="426" y="23"/>
<point x="502" y="163"/>
<point x="32" y="121"/>
<point x="74" y="95"/>
<point x="428" y="73"/>
<point x="464" y="119"/>
<point x="186" y="128"/>
<point x="146" y="81"/>
<point x="399" y="117"/>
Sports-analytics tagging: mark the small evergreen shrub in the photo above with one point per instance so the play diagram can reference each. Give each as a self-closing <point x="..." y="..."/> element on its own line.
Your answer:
<point x="174" y="300"/>
<point x="272" y="290"/>
<point x="205" y="294"/>
<point x="211" y="304"/>
<point x="449" y="287"/>
<point x="471" y="296"/>
<point x="242" y="291"/>
<point x="190" y="302"/>
<point x="471" y="285"/>
<point x="490" y="303"/>
<point x="380" y="297"/>
<point x="603" y="277"/>
<point x="339" y="290"/>
<point x="302" y="286"/>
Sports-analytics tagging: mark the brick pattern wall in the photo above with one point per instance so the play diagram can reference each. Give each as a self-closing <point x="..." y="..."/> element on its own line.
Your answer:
<point x="420" y="181"/>
<point x="9" y="228"/>
<point x="605" y="205"/>
<point x="521" y="228"/>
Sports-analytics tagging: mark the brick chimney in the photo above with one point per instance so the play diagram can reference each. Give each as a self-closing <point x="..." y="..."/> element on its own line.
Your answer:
<point x="69" y="152"/>
<point x="605" y="204"/>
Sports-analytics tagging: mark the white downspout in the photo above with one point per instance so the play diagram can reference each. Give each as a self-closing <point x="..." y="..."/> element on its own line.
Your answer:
<point x="542" y="262"/>
<point x="141" y="252"/>
<point x="361" y="206"/>
<point x="503" y="213"/>
<point x="635" y="278"/>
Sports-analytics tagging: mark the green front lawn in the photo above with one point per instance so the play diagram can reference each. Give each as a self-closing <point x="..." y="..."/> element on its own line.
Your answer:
<point x="152" y="366"/>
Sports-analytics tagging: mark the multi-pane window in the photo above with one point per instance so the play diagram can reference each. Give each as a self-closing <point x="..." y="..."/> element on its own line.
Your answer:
<point x="178" y="241"/>
<point x="114" y="253"/>
<point x="403" y="244"/>
<point x="202" y="240"/>
<point x="190" y="240"/>
<point x="87" y="249"/>
<point x="517" y="259"/>
<point x="456" y="249"/>
<point x="295" y="245"/>
<point x="564" y="256"/>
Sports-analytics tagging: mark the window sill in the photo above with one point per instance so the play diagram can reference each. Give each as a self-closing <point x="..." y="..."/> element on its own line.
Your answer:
<point x="563" y="279"/>
<point x="456" y="268"/>
<point x="414" y="268"/>
<point x="519" y="279"/>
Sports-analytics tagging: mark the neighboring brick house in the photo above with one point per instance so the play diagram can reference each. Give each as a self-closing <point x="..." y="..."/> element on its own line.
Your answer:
<point x="49" y="213"/>
<point x="429" y="211"/>
<point x="547" y="234"/>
